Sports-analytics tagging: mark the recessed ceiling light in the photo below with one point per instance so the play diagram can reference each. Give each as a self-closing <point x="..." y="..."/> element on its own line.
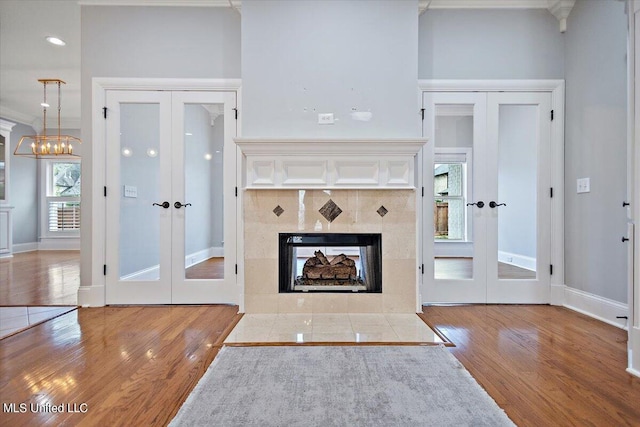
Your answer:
<point x="56" y="41"/>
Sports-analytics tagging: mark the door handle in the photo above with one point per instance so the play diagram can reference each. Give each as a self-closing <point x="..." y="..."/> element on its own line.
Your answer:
<point x="163" y="205"/>
<point x="479" y="204"/>
<point x="625" y="239"/>
<point x="493" y="204"/>
<point x="178" y="205"/>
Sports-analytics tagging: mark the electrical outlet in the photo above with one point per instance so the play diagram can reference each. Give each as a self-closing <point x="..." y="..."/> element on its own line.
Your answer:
<point x="325" y="118"/>
<point x="583" y="185"/>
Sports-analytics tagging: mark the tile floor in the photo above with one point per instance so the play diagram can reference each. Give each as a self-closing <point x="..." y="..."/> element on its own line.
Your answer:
<point x="14" y="319"/>
<point x="320" y="327"/>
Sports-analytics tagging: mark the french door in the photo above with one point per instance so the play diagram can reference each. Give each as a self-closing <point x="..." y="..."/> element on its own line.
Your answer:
<point x="170" y="197"/>
<point x="487" y="168"/>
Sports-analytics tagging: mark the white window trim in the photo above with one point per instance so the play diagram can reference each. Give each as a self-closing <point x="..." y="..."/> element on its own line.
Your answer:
<point x="44" y="168"/>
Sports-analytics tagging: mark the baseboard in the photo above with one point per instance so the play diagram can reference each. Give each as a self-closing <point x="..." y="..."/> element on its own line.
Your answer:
<point x="595" y="306"/>
<point x="59" y="244"/>
<point x="528" y="263"/>
<point x="25" y="247"/>
<point x="91" y="296"/>
<point x="203" y="255"/>
<point x="151" y="273"/>
<point x="633" y="372"/>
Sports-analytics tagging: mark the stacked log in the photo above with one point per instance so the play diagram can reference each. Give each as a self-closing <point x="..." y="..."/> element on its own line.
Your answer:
<point x="319" y="267"/>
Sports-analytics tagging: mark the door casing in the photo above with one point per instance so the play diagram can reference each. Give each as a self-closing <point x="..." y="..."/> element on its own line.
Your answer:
<point x="556" y="89"/>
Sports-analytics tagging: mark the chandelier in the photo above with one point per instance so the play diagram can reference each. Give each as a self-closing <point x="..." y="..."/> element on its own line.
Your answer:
<point x="43" y="145"/>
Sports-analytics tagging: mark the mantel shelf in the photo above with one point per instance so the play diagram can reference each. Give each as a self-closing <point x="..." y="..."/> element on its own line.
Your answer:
<point x="270" y="163"/>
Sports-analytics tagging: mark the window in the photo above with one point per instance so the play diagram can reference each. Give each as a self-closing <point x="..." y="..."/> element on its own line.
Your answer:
<point x="63" y="196"/>
<point x="450" y="189"/>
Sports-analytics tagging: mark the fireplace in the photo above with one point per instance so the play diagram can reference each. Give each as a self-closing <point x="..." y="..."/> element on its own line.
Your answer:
<point x="330" y="262"/>
<point x="294" y="190"/>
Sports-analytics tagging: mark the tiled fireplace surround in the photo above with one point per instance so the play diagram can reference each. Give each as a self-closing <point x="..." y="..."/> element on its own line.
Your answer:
<point x="270" y="207"/>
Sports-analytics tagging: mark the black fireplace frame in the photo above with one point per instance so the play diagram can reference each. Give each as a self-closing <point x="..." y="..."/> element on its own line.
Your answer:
<point x="288" y="241"/>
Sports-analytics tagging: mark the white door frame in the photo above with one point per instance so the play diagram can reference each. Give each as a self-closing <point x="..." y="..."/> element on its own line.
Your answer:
<point x="93" y="236"/>
<point x="556" y="88"/>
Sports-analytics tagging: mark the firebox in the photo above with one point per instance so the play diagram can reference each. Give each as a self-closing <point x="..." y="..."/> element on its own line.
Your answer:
<point x="330" y="262"/>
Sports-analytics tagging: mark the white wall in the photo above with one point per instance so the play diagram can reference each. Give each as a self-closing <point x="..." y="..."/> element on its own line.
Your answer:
<point x="330" y="56"/>
<point x="595" y="147"/>
<point x="490" y="44"/>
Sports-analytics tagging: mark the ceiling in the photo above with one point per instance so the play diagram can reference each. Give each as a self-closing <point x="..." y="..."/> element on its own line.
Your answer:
<point x="25" y="55"/>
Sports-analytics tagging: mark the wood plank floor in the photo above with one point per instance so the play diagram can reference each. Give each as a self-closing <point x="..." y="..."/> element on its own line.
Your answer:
<point x="131" y="366"/>
<point x="40" y="278"/>
<point x="544" y="365"/>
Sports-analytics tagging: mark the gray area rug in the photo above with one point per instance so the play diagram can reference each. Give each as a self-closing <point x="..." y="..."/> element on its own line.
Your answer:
<point x="338" y="386"/>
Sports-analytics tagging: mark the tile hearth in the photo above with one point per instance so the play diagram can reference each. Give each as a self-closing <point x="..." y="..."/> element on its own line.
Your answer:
<point x="332" y="327"/>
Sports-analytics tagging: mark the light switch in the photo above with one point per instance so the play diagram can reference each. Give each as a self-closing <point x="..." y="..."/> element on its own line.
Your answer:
<point x="584" y="185"/>
<point x="130" y="191"/>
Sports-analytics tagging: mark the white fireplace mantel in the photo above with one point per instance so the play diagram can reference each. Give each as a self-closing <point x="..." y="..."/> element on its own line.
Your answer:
<point x="272" y="163"/>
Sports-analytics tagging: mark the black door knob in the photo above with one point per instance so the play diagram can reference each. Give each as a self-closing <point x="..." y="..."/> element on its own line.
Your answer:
<point x="178" y="205"/>
<point x="493" y="204"/>
<point x="479" y="204"/>
<point x="625" y="239"/>
<point x="163" y="205"/>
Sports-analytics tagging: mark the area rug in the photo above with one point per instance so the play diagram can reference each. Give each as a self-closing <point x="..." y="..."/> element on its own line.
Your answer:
<point x="338" y="386"/>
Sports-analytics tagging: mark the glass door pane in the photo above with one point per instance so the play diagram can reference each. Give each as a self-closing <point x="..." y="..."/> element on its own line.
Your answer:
<point x="204" y="183"/>
<point x="517" y="191"/>
<point x="452" y="190"/>
<point x="139" y="234"/>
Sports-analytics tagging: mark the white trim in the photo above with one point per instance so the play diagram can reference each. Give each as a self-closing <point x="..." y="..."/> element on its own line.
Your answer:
<point x="59" y="244"/>
<point x="93" y="292"/>
<point x="190" y="3"/>
<point x="595" y="306"/>
<point x="17" y="116"/>
<point x="490" y="85"/>
<point x="200" y="256"/>
<point x="557" y="295"/>
<point x="522" y="261"/>
<point x="488" y="4"/>
<point x="25" y="247"/>
<point x="347" y="163"/>
<point x="146" y="274"/>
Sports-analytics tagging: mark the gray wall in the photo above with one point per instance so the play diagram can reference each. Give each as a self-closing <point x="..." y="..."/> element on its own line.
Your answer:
<point x="596" y="42"/>
<point x="330" y="56"/>
<point x="490" y="44"/>
<point x="23" y="191"/>
<point x="161" y="42"/>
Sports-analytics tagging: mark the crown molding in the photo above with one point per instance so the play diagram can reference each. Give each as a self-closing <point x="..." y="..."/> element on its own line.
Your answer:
<point x="16" y="116"/>
<point x="189" y="3"/>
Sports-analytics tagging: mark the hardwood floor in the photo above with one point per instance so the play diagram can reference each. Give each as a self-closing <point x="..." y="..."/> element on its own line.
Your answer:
<point x="213" y="268"/>
<point x="544" y="365"/>
<point x="131" y="366"/>
<point x="40" y="278"/>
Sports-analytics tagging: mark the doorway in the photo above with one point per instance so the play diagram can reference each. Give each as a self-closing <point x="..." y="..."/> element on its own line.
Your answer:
<point x="488" y="190"/>
<point x="171" y="197"/>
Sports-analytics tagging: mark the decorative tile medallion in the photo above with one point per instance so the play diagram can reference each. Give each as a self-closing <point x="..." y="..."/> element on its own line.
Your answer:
<point x="330" y="211"/>
<point x="278" y="210"/>
<point x="382" y="211"/>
